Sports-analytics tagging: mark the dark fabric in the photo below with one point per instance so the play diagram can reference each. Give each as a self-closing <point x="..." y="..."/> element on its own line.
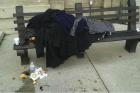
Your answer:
<point x="97" y="30"/>
<point x="43" y="20"/>
<point x="60" y="46"/>
<point x="40" y="23"/>
<point x="52" y="30"/>
<point x="100" y="27"/>
<point x="40" y="41"/>
<point x="94" y="26"/>
<point x="82" y="34"/>
<point x="65" y="20"/>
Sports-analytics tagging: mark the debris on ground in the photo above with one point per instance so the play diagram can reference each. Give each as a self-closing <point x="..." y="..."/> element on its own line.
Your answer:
<point x="35" y="73"/>
<point x="13" y="78"/>
<point x="138" y="29"/>
<point x="23" y="76"/>
<point x="16" y="41"/>
<point x="120" y="56"/>
<point x="26" y="73"/>
<point x="41" y="88"/>
<point x="38" y="74"/>
<point x="35" y="82"/>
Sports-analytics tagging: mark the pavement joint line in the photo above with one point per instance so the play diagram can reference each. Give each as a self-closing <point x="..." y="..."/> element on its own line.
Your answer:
<point x="97" y="73"/>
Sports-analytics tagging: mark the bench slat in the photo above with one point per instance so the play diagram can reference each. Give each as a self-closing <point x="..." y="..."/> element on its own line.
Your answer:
<point x="110" y="20"/>
<point x="84" y="11"/>
<point x="121" y="20"/>
<point x="23" y="47"/>
<point x="119" y="35"/>
<point x="115" y="15"/>
<point x="95" y="17"/>
<point x="87" y="10"/>
<point x="116" y="36"/>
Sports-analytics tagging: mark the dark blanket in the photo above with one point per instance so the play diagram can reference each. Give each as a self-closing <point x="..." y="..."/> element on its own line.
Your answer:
<point x="52" y="30"/>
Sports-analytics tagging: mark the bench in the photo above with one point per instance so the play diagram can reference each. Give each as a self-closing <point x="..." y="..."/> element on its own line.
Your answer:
<point x="131" y="35"/>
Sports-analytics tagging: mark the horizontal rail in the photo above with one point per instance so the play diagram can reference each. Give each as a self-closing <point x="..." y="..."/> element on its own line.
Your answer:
<point x="119" y="35"/>
<point x="84" y="11"/>
<point x="110" y="20"/>
<point x="116" y="36"/>
<point x="23" y="47"/>
<point x="95" y="17"/>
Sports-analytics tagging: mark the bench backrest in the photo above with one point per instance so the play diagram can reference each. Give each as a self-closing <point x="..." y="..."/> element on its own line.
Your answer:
<point x="129" y="16"/>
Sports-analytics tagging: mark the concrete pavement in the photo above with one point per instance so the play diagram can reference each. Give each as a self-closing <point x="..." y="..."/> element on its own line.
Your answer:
<point x="106" y="68"/>
<point x="119" y="69"/>
<point x="76" y="75"/>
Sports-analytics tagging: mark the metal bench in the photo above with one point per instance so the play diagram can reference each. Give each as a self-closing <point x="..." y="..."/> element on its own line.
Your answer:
<point x="131" y="35"/>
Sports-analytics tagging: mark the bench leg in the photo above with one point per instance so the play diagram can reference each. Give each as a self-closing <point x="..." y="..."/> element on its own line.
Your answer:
<point x="131" y="46"/>
<point x="24" y="57"/>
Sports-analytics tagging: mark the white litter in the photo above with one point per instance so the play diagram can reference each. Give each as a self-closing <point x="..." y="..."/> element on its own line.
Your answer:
<point x="32" y="67"/>
<point x="16" y="41"/>
<point x="36" y="72"/>
<point x="138" y="29"/>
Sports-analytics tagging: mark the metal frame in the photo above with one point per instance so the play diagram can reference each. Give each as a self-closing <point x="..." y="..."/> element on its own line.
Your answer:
<point x="131" y="36"/>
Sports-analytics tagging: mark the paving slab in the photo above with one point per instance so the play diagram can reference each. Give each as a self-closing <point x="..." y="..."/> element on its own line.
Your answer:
<point x="75" y="75"/>
<point x="119" y="69"/>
